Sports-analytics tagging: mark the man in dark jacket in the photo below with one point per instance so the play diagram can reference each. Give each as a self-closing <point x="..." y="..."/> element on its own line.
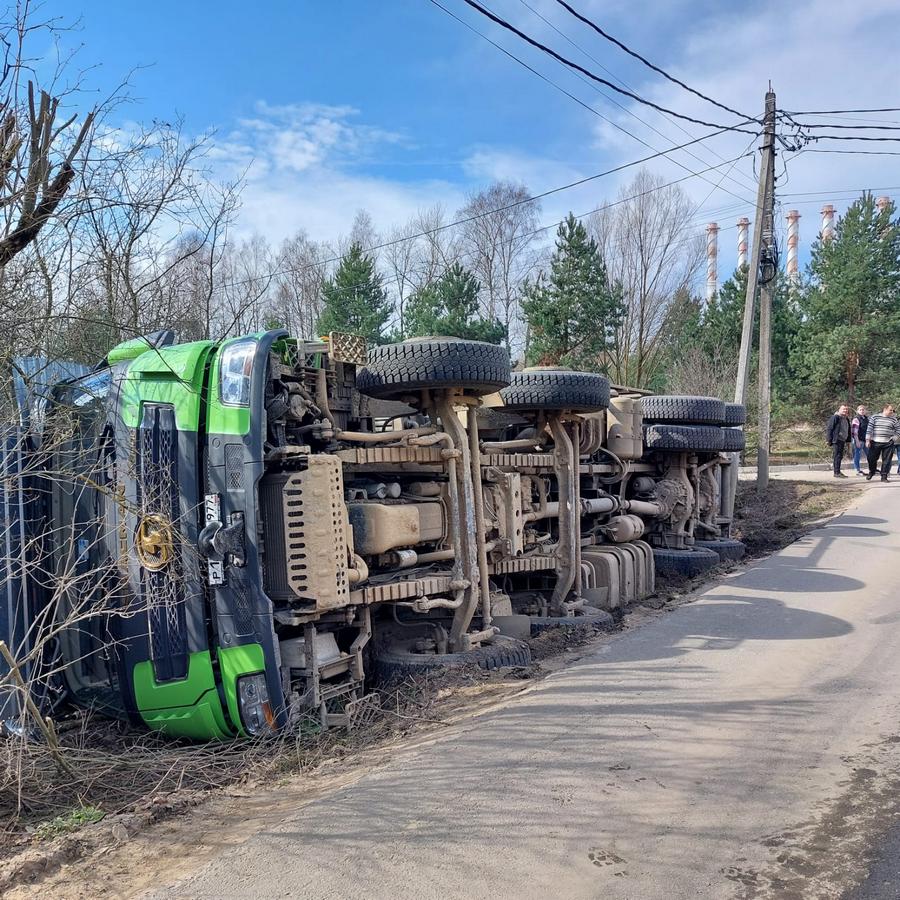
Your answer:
<point x="838" y="433"/>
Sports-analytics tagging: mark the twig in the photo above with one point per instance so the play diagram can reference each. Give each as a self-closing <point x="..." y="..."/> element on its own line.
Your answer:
<point x="45" y="725"/>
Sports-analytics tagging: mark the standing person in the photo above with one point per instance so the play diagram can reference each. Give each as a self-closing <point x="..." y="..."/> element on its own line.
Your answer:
<point x="880" y="436"/>
<point x="838" y="433"/>
<point x="858" y="428"/>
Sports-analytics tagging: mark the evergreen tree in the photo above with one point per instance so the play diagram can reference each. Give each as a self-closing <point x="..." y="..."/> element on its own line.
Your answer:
<point x="709" y="335"/>
<point x="851" y="311"/>
<point x="449" y="306"/>
<point x="354" y="299"/>
<point x="572" y="315"/>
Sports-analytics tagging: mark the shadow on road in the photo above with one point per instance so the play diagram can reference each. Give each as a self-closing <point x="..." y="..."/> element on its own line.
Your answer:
<point x="723" y="623"/>
<point x="789" y="575"/>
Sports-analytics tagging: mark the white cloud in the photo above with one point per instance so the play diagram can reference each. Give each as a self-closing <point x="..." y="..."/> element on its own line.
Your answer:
<point x="819" y="54"/>
<point x="304" y="166"/>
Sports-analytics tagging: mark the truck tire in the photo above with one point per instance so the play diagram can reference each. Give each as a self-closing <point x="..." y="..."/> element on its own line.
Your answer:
<point x="556" y="389"/>
<point x="735" y="414"/>
<point x="393" y="370"/>
<point x="724" y="548"/>
<point x="683" y="438"/>
<point x="733" y="440"/>
<point x="599" y="619"/>
<point x="396" y="662"/>
<point x="684" y="562"/>
<point x="678" y="409"/>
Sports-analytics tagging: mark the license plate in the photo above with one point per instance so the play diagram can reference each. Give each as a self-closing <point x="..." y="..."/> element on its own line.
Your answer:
<point x="215" y="568"/>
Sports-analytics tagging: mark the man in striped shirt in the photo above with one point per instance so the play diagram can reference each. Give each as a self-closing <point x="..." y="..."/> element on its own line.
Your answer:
<point x="881" y="435"/>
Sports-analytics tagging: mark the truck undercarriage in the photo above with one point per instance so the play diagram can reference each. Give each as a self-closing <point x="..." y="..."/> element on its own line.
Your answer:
<point x="246" y="532"/>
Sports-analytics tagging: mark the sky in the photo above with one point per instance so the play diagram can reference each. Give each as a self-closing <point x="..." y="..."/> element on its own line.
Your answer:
<point x="331" y="106"/>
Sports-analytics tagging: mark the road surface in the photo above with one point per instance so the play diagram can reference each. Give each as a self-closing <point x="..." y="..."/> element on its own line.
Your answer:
<point x="745" y="745"/>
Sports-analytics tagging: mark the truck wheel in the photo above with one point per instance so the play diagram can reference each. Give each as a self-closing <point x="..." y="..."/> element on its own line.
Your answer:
<point x="724" y="548"/>
<point x="420" y="363"/>
<point x="684" y="438"/>
<point x="684" y="562"/>
<point x="733" y="440"/>
<point x="599" y="619"/>
<point x="735" y="414"/>
<point x="556" y="389"/>
<point x="678" y="409"/>
<point x="399" y="660"/>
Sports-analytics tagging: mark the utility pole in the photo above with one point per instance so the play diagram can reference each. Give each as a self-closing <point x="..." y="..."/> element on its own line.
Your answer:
<point x="760" y="276"/>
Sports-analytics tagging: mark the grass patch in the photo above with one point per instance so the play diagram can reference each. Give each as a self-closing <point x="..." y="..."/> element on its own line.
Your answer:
<point x="69" y="821"/>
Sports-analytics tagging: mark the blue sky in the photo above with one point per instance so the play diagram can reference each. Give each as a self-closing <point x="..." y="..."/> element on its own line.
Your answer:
<point x="393" y="106"/>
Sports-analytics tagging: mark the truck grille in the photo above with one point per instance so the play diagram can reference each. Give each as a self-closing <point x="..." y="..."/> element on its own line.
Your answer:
<point x="162" y="590"/>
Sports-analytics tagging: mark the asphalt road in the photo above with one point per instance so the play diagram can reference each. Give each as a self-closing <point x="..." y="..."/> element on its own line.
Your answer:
<point x="743" y="745"/>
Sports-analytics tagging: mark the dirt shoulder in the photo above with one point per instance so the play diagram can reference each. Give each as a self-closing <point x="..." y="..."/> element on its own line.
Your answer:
<point x="224" y="793"/>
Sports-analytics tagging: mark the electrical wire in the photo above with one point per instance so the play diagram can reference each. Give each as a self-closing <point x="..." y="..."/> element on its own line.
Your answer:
<point x="498" y="20"/>
<point x="862" y="190"/>
<point x="646" y="62"/>
<point x="850" y="137"/>
<point x="838" y="112"/>
<point x="481" y="215"/>
<point x="854" y="152"/>
<point x="637" y="196"/>
<point x="578" y="100"/>
<point x="844" y="127"/>
<point x="621" y="81"/>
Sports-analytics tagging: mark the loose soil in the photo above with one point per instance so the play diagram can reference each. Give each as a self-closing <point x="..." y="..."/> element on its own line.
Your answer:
<point x="41" y="856"/>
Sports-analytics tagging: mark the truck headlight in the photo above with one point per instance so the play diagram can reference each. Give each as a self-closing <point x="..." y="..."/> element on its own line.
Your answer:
<point x="254" y="704"/>
<point x="235" y="368"/>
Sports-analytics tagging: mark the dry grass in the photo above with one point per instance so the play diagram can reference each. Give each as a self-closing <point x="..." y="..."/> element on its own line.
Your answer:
<point x="767" y="522"/>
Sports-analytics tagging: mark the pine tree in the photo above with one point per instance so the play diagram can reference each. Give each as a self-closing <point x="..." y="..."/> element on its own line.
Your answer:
<point x="851" y="310"/>
<point x="449" y="306"/>
<point x="354" y="299"/>
<point x="572" y="314"/>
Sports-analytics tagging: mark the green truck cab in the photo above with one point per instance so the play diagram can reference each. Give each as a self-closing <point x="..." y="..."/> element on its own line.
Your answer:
<point x="162" y="451"/>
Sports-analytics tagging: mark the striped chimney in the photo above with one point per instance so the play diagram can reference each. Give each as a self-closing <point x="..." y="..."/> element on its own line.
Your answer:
<point x="793" y="240"/>
<point x="827" y="222"/>
<point x="712" y="252"/>
<point x="743" y="241"/>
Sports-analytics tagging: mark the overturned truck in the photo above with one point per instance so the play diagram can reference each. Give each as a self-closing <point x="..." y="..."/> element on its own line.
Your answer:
<point x="227" y="536"/>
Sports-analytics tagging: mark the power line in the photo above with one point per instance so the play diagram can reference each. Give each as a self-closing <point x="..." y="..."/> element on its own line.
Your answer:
<point x="844" y="127"/>
<point x="637" y="196"/>
<point x="576" y="67"/>
<point x="646" y="62"/>
<point x="849" y="137"/>
<point x="854" y="152"/>
<point x="621" y="81"/>
<point x="578" y="100"/>
<point x="862" y="190"/>
<point x="733" y="163"/>
<point x="473" y="218"/>
<point x="838" y="112"/>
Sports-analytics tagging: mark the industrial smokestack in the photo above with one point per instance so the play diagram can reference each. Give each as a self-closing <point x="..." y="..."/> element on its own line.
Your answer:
<point x="712" y="253"/>
<point x="827" y="222"/>
<point x="793" y="266"/>
<point x="743" y="241"/>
